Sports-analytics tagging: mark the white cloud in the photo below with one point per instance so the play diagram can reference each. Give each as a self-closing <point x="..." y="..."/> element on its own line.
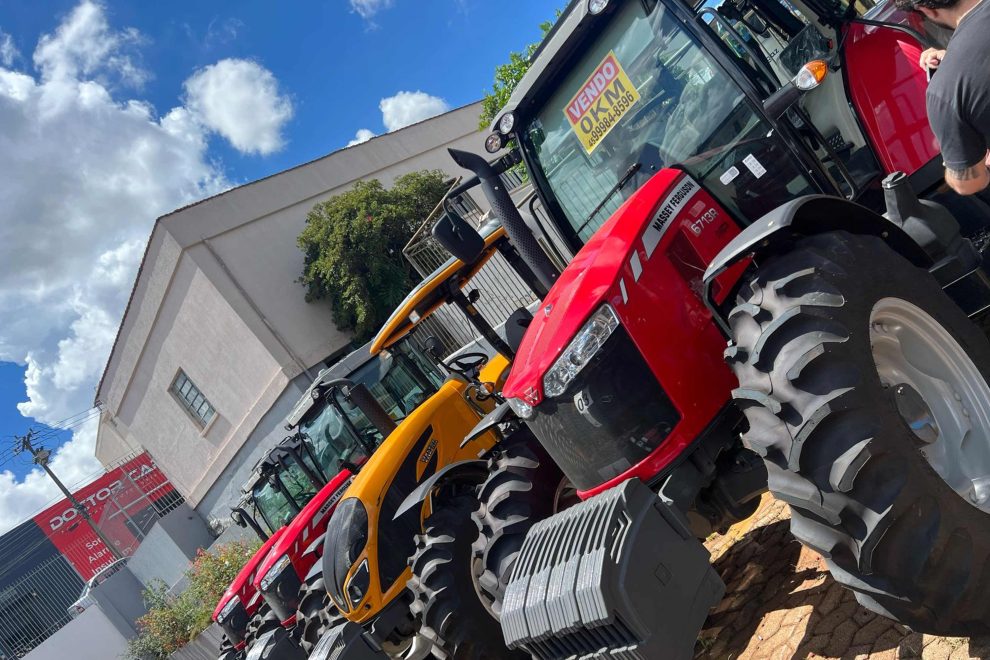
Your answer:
<point x="8" y="51"/>
<point x="362" y="135"/>
<point x="368" y="8"/>
<point x="240" y="100"/>
<point x="407" y="108"/>
<point x="83" y="176"/>
<point x="84" y="45"/>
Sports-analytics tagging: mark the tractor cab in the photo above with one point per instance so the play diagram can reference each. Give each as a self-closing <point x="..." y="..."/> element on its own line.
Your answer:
<point x="759" y="101"/>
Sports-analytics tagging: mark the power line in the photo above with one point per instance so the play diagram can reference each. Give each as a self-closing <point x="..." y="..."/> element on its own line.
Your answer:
<point x="41" y="457"/>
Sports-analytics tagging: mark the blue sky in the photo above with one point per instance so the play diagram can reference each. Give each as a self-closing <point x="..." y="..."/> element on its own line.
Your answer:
<point x="335" y="65"/>
<point x="112" y="113"/>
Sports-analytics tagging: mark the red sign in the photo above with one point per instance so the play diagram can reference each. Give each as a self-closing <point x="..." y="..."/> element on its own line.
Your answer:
<point x="121" y="502"/>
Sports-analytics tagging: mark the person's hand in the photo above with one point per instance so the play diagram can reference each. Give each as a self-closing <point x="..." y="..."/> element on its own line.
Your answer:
<point x="931" y="58"/>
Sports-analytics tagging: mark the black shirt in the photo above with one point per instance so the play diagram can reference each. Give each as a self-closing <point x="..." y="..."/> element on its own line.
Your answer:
<point x="959" y="93"/>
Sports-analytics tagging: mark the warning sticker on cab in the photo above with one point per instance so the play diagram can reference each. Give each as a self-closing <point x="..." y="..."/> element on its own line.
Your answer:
<point x="604" y="98"/>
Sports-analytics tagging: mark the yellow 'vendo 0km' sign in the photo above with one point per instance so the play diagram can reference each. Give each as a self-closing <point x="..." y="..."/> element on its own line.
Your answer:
<point x="604" y="98"/>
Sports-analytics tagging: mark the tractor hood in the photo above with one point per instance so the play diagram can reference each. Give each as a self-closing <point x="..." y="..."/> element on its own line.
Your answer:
<point x="602" y="271"/>
<point x="306" y="526"/>
<point x="243" y="585"/>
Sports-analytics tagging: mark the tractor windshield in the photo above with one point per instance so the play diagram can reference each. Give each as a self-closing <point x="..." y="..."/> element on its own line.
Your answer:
<point x="274" y="504"/>
<point x="400" y="380"/>
<point x="645" y="95"/>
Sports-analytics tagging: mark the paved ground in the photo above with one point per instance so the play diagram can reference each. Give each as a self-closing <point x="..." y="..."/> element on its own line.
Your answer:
<point x="780" y="603"/>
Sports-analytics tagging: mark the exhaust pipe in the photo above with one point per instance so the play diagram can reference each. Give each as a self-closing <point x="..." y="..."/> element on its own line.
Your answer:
<point x="519" y="234"/>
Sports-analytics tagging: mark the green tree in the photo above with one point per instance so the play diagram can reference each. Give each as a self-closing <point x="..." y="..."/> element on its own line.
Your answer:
<point x="353" y="248"/>
<point x="507" y="76"/>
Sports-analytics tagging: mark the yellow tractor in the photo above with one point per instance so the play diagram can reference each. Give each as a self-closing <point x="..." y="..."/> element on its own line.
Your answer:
<point x="412" y="559"/>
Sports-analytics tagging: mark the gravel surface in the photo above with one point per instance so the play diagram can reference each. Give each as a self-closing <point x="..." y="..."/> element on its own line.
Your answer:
<point x="780" y="602"/>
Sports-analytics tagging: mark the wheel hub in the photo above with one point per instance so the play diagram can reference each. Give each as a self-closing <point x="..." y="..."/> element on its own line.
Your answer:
<point x="939" y="393"/>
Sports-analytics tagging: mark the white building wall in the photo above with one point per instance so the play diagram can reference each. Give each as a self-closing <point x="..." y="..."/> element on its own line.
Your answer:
<point x="217" y="296"/>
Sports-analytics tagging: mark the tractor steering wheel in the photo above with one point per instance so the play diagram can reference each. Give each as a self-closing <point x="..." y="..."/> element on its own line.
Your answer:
<point x="467" y="364"/>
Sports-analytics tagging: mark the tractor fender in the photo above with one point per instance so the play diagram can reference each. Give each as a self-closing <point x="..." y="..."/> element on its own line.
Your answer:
<point x="315" y="571"/>
<point x="488" y="422"/>
<point x="474" y="470"/>
<point x="316" y="546"/>
<point x="809" y="215"/>
<point x="806" y="216"/>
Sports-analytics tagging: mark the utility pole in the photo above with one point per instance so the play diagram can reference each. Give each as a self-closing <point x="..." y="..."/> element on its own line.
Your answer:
<point x="41" y="456"/>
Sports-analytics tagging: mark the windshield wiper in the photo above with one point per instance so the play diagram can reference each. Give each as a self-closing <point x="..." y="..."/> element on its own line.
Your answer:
<point x="619" y="185"/>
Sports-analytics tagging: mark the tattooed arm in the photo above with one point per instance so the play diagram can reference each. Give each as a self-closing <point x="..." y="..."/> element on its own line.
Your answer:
<point x="970" y="180"/>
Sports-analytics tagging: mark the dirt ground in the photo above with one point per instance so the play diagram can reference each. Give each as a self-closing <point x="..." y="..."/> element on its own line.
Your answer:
<point x="781" y="603"/>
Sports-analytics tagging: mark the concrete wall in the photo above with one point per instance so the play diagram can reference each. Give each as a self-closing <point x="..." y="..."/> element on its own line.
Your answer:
<point x="206" y="646"/>
<point x="169" y="548"/>
<point x="121" y="599"/>
<point x="90" y="636"/>
<point x="226" y="489"/>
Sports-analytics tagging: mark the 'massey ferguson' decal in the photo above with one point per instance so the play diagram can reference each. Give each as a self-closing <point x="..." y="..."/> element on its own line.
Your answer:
<point x="667" y="211"/>
<point x="331" y="501"/>
<point x="604" y="98"/>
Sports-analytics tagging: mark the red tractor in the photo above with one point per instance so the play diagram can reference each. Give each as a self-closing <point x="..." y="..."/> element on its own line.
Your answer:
<point x="759" y="280"/>
<point x="276" y="607"/>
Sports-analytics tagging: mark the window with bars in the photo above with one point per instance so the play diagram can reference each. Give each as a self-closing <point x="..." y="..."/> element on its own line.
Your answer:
<point x="192" y="399"/>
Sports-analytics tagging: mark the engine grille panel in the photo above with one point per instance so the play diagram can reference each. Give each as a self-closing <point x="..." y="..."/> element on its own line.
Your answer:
<point x="612" y="416"/>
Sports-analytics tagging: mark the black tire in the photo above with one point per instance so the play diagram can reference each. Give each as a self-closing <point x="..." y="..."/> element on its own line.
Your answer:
<point x="519" y="492"/>
<point x="316" y="615"/>
<point x="227" y="650"/>
<point x="263" y="621"/>
<point x="861" y="492"/>
<point x="444" y="593"/>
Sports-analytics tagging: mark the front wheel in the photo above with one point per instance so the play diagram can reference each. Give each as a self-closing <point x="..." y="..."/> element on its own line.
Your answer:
<point x="866" y="392"/>
<point x="262" y="622"/>
<point x="446" y="594"/>
<point x="316" y="614"/>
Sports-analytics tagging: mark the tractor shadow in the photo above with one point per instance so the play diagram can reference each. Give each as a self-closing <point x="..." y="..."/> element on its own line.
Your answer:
<point x="780" y="602"/>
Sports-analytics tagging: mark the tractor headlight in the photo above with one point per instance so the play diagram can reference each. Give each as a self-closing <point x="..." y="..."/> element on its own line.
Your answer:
<point x="585" y="345"/>
<point x="493" y="143"/>
<point x="597" y="6"/>
<point x="522" y="409"/>
<point x="274" y="572"/>
<point x="506" y="123"/>
<point x="227" y="609"/>
<point x="357" y="586"/>
<point x="347" y="536"/>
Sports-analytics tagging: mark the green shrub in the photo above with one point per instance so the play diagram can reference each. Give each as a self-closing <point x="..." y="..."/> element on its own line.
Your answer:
<point x="173" y="621"/>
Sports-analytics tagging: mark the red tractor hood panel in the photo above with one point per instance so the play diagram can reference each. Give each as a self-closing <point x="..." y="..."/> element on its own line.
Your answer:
<point x="587" y="282"/>
<point x="243" y="584"/>
<point x="305" y="527"/>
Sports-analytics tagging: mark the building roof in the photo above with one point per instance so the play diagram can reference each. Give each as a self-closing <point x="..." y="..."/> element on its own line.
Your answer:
<point x="251" y="201"/>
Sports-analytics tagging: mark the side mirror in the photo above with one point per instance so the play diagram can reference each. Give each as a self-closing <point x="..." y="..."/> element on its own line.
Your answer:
<point x="458" y="237"/>
<point x="434" y="347"/>
<point x="238" y="518"/>
<point x="808" y="77"/>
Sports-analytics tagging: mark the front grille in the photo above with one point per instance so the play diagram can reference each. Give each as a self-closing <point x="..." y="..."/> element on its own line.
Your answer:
<point x="236" y="623"/>
<point x="612" y="416"/>
<point x="283" y="594"/>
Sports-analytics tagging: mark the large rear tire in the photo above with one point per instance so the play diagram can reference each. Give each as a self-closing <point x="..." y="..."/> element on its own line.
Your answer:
<point x="854" y="371"/>
<point x="446" y="596"/>
<point x="521" y="490"/>
<point x="316" y="615"/>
